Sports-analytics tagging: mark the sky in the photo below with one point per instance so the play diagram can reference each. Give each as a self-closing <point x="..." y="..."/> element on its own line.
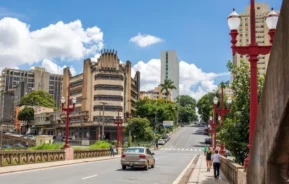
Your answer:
<point x="55" y="34"/>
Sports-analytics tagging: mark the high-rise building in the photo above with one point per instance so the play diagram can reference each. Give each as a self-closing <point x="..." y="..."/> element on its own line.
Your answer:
<point x="105" y="89"/>
<point x="36" y="79"/>
<point x="262" y="37"/>
<point x="170" y="69"/>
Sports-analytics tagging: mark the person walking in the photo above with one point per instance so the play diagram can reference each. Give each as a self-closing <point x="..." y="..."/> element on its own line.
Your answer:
<point x="216" y="164"/>
<point x="209" y="158"/>
<point x="205" y="150"/>
<point x="156" y="144"/>
<point x="112" y="150"/>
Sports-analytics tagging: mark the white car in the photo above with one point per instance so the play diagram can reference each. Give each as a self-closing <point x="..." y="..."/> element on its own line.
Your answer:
<point x="161" y="142"/>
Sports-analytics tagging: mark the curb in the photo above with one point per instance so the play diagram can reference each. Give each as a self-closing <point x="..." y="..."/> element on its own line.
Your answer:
<point x="52" y="166"/>
<point x="186" y="173"/>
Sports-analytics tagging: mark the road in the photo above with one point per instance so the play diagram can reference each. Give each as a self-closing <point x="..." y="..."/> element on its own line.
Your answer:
<point x="171" y="160"/>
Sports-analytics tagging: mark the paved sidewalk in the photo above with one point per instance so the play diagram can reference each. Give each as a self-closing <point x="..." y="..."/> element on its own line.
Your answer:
<point x="26" y="167"/>
<point x="200" y="174"/>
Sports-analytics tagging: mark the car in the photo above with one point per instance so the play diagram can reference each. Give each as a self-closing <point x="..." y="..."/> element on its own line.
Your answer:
<point x="32" y="137"/>
<point x="137" y="157"/>
<point x="166" y="137"/>
<point x="206" y="131"/>
<point x="208" y="140"/>
<point x="18" y="146"/>
<point x="6" y="146"/>
<point x="161" y="142"/>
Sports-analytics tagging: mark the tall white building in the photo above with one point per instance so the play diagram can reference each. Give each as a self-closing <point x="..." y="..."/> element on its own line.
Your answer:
<point x="170" y="69"/>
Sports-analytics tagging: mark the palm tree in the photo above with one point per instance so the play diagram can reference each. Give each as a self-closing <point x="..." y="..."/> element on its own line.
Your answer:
<point x="167" y="86"/>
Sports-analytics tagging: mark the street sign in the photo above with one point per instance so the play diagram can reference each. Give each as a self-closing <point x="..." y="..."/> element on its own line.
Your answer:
<point x="168" y="124"/>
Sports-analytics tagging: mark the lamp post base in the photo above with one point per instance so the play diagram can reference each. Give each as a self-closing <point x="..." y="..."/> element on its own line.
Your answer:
<point x="222" y="150"/>
<point x="66" y="146"/>
<point x="246" y="162"/>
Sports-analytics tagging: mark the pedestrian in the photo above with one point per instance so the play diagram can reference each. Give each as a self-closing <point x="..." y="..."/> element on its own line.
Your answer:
<point x="156" y="144"/>
<point x="209" y="158"/>
<point x="205" y="150"/>
<point x="27" y="145"/>
<point x="216" y="164"/>
<point x="112" y="150"/>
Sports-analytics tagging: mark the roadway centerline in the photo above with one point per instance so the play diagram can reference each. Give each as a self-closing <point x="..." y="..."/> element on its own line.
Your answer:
<point x="89" y="177"/>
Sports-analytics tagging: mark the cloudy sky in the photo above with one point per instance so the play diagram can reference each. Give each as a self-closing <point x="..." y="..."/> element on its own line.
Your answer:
<point x="55" y="34"/>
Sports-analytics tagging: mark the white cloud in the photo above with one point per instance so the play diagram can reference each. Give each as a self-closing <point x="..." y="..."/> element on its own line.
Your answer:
<point x="193" y="81"/>
<point x="144" y="40"/>
<point x="19" y="45"/>
<point x="52" y="67"/>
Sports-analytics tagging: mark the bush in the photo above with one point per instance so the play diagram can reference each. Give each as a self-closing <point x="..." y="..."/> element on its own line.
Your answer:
<point x="47" y="147"/>
<point x="100" y="145"/>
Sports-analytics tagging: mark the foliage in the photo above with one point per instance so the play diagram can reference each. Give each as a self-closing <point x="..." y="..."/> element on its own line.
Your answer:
<point x="167" y="86"/>
<point x="187" y="109"/>
<point x="100" y="145"/>
<point x="26" y="114"/>
<point x="235" y="131"/>
<point x="205" y="106"/>
<point x="140" y="129"/>
<point x="38" y="98"/>
<point x="47" y="147"/>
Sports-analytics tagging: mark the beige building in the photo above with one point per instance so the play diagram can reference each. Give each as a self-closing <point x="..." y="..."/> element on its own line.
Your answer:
<point x="104" y="85"/>
<point x="153" y="94"/>
<point x="227" y="91"/>
<point x="262" y="37"/>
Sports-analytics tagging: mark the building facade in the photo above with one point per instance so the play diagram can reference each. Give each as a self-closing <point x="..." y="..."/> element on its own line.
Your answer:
<point x="170" y="69"/>
<point x="154" y="94"/>
<point x="104" y="89"/>
<point x="36" y="79"/>
<point x="262" y="37"/>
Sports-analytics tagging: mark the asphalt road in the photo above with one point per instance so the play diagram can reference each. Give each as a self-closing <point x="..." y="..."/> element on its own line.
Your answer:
<point x="170" y="162"/>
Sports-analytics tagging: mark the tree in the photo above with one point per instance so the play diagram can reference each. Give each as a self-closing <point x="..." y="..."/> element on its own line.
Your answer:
<point x="205" y="106"/>
<point x="167" y="86"/>
<point x="27" y="115"/>
<point x="140" y="128"/>
<point x="235" y="131"/>
<point x="187" y="108"/>
<point x="39" y="98"/>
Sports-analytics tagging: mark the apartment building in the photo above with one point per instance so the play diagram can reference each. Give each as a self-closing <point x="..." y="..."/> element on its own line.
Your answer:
<point x="104" y="89"/>
<point x="262" y="37"/>
<point x="36" y="79"/>
<point x="154" y="94"/>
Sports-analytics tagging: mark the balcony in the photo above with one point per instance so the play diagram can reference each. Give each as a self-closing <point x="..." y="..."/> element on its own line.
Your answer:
<point x="105" y="81"/>
<point x="82" y="114"/>
<point x="110" y="103"/>
<point x="108" y="92"/>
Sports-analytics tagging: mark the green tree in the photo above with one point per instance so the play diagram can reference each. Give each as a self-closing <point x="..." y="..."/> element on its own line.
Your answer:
<point x="140" y="128"/>
<point x="205" y="106"/>
<point x="167" y="86"/>
<point x="187" y="108"/>
<point x="235" y="131"/>
<point x="39" y="98"/>
<point x="27" y="115"/>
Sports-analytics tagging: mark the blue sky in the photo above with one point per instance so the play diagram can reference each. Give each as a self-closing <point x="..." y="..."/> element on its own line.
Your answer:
<point x="197" y="30"/>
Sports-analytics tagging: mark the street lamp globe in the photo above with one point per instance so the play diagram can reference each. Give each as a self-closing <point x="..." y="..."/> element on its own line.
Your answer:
<point x="73" y="100"/>
<point x="62" y="99"/>
<point x="211" y="118"/>
<point x="219" y="118"/>
<point x="234" y="20"/>
<point x="272" y="20"/>
<point x="229" y="101"/>
<point x="215" y="100"/>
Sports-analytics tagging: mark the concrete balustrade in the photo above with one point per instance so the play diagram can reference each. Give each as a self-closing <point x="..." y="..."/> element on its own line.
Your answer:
<point x="234" y="172"/>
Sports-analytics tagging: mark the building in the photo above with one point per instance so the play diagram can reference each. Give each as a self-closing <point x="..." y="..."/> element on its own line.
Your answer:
<point x="105" y="88"/>
<point x="21" y="90"/>
<point x="7" y="111"/>
<point x="154" y="94"/>
<point x="45" y="123"/>
<point x="170" y="69"/>
<point x="227" y="91"/>
<point x="36" y="79"/>
<point x="262" y="37"/>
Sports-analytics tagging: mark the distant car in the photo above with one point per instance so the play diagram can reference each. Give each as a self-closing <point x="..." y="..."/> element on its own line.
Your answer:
<point x="206" y="131"/>
<point x="208" y="140"/>
<point x="19" y="146"/>
<point x="137" y="157"/>
<point x="161" y="142"/>
<point x="166" y="137"/>
<point x="6" y="146"/>
<point x="182" y="125"/>
<point x="32" y="137"/>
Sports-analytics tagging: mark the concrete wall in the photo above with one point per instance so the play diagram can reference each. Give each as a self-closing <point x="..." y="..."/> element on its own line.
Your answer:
<point x="270" y="159"/>
<point x="234" y="172"/>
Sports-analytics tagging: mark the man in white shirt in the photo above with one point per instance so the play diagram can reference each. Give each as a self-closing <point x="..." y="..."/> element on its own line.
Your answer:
<point x="216" y="164"/>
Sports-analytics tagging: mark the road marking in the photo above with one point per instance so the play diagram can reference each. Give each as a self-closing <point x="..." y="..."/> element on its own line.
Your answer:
<point x="183" y="149"/>
<point x="178" y="149"/>
<point x="89" y="177"/>
<point x="187" y="149"/>
<point x="200" y="150"/>
<point x="195" y="149"/>
<point x="191" y="149"/>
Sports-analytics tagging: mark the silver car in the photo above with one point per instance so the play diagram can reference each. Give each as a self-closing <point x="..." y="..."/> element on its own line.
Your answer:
<point x="137" y="157"/>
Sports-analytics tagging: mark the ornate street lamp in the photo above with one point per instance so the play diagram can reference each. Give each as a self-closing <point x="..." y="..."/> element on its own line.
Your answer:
<point x="118" y="120"/>
<point x="252" y="50"/>
<point x="68" y="110"/>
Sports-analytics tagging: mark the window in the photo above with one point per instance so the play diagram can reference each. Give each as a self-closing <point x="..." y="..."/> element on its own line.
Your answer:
<point x="51" y="87"/>
<point x="51" y="82"/>
<point x="30" y="80"/>
<point x="108" y="98"/>
<point x="108" y="87"/>
<point x="107" y="108"/>
<point x="76" y="83"/>
<point x="258" y="8"/>
<point x="76" y="92"/>
<point x="108" y="77"/>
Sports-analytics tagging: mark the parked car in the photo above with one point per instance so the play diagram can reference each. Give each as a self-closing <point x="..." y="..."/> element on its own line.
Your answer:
<point x="206" y="131"/>
<point x="161" y="142"/>
<point x="6" y="146"/>
<point x="19" y="146"/>
<point x="208" y="140"/>
<point x="137" y="157"/>
<point x="166" y="137"/>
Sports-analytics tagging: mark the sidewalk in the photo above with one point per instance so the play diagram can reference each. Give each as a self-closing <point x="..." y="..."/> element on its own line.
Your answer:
<point x="26" y="167"/>
<point x="200" y="174"/>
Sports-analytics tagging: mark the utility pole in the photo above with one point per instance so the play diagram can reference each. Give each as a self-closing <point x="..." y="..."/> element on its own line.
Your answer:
<point x="1" y="134"/>
<point x="103" y="103"/>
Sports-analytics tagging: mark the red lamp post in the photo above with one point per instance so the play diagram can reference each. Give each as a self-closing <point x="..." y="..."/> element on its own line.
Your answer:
<point x="118" y="121"/>
<point x="214" y="126"/>
<point x="222" y="113"/>
<point x="68" y="110"/>
<point x="253" y="50"/>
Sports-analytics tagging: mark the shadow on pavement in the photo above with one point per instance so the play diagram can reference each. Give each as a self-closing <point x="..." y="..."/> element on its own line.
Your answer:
<point x="134" y="169"/>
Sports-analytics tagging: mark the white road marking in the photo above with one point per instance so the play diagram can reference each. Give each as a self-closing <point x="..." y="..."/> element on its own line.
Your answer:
<point x="195" y="149"/>
<point x="191" y="149"/>
<point x="89" y="177"/>
<point x="183" y="149"/>
<point x="200" y="150"/>
<point x="187" y="149"/>
<point x="178" y="149"/>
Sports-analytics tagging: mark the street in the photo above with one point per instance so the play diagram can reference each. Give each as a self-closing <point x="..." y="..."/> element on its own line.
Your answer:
<point x="171" y="160"/>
